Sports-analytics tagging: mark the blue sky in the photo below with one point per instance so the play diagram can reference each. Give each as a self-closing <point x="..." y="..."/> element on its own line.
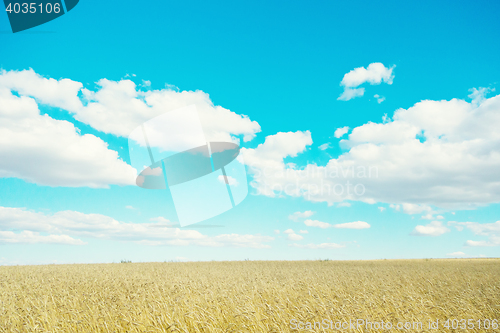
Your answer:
<point x="281" y="64"/>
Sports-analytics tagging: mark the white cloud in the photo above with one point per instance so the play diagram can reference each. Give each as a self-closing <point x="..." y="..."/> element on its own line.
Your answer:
<point x="292" y="235"/>
<point x="46" y="151"/>
<point x="147" y="171"/>
<point x="381" y="209"/>
<point x="395" y="207"/>
<point x="349" y="225"/>
<point x="129" y="207"/>
<point x="375" y="73"/>
<point x="61" y="94"/>
<point x="276" y="232"/>
<point x="430" y="216"/>
<point x="324" y="146"/>
<point x="479" y="95"/>
<point x="64" y="225"/>
<point x="353" y="225"/>
<point x="318" y="246"/>
<point x="30" y="237"/>
<point x="490" y="230"/>
<point x="454" y="164"/>
<point x="270" y="154"/>
<point x="162" y="222"/>
<point x="295" y="237"/>
<point x="409" y="208"/>
<point x="300" y="215"/>
<point x="318" y="224"/>
<point x="230" y="180"/>
<point x="303" y="232"/>
<point x="482" y="243"/>
<point x="350" y="93"/>
<point x="121" y="100"/>
<point x="65" y="158"/>
<point x="341" y="131"/>
<point x="456" y="254"/>
<point x="379" y="98"/>
<point x="435" y="228"/>
<point x="344" y="204"/>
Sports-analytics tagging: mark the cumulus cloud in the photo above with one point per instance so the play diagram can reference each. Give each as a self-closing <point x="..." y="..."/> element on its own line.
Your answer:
<point x="350" y="93"/>
<point x="227" y="180"/>
<point x="395" y="207"/>
<point x="411" y="209"/>
<point x="292" y="235"/>
<point x="435" y="228"/>
<point x="375" y="73"/>
<point x="456" y="254"/>
<point x="122" y="100"/>
<point x="318" y="224"/>
<point x="353" y="225"/>
<point x="163" y="222"/>
<point x="46" y="151"/>
<point x="61" y="93"/>
<point x="270" y="154"/>
<point x="490" y="230"/>
<point x="341" y="131"/>
<point x="479" y="95"/>
<point x="318" y="246"/>
<point x="300" y="215"/>
<point x="65" y="158"/>
<point x="441" y="154"/>
<point x="18" y="225"/>
<point x="295" y="237"/>
<point x="30" y="237"/>
<point x="379" y="98"/>
<point x="349" y="225"/>
<point x="152" y="172"/>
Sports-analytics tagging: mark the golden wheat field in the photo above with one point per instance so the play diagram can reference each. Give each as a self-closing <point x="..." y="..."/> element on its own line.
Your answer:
<point x="250" y="296"/>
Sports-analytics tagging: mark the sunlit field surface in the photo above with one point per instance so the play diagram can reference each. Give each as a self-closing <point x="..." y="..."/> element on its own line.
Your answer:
<point x="249" y="296"/>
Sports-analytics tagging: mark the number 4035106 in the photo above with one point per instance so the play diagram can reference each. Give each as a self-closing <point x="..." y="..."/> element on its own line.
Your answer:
<point x="471" y="324"/>
<point x="33" y="8"/>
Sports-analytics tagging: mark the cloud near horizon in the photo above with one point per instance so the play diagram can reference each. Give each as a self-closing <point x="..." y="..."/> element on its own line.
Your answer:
<point x="18" y="225"/>
<point x="350" y="225"/>
<point x="440" y="154"/>
<point x="490" y="230"/>
<point x="435" y="228"/>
